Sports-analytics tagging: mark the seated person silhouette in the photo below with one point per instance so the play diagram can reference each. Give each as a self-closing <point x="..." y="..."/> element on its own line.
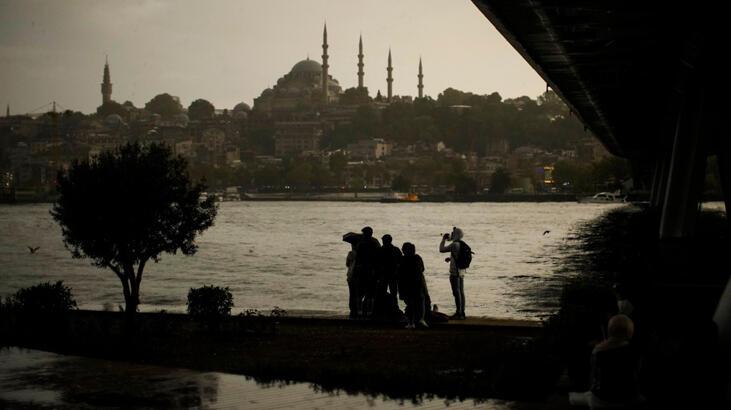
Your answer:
<point x="614" y="370"/>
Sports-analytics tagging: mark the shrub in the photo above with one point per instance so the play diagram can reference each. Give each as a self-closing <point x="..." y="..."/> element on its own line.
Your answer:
<point x="210" y="302"/>
<point x="42" y="298"/>
<point x="278" y="312"/>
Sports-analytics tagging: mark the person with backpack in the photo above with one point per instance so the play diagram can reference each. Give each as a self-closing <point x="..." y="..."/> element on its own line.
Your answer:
<point x="459" y="260"/>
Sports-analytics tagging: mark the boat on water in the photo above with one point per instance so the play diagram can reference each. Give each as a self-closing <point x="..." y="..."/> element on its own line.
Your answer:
<point x="604" y="198"/>
<point x="399" y="197"/>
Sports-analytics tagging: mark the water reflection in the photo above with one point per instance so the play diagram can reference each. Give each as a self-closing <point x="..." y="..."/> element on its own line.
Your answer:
<point x="31" y="377"/>
<point x="36" y="379"/>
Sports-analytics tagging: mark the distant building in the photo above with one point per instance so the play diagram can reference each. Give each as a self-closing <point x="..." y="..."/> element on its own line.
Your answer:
<point x="497" y="146"/>
<point x="370" y="149"/>
<point x="309" y="87"/>
<point x="106" y="85"/>
<point x="233" y="156"/>
<point x="185" y="149"/>
<point x="296" y="137"/>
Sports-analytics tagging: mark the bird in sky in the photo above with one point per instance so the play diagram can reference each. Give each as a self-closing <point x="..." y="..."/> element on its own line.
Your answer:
<point x="546" y="233"/>
<point x="33" y="250"/>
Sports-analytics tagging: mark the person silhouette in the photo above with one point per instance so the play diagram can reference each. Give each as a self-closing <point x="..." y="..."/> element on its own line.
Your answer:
<point x="412" y="286"/>
<point x="389" y="259"/>
<point x="366" y="262"/>
<point x="614" y="370"/>
<point x="353" y="297"/>
<point x="456" y="275"/>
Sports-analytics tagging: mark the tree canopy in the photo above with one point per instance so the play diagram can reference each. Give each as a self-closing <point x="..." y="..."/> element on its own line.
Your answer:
<point x="111" y="107"/>
<point x="465" y="122"/>
<point x="128" y="206"/>
<point x="500" y="181"/>
<point x="165" y="105"/>
<point x="354" y="95"/>
<point x="201" y="109"/>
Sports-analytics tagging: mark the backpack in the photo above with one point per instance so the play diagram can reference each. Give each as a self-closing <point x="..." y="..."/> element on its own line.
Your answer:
<point x="464" y="258"/>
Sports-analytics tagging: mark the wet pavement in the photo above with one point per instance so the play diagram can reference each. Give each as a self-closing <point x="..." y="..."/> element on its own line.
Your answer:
<point x="31" y="379"/>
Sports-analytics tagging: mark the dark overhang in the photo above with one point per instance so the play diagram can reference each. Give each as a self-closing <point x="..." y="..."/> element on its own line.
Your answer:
<point x="618" y="64"/>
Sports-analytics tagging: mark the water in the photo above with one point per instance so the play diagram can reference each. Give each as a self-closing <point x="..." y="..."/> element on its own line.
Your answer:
<point x="36" y="379"/>
<point x="290" y="255"/>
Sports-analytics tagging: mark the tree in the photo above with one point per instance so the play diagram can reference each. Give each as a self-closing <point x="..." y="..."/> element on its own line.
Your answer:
<point x="164" y="104"/>
<point x="572" y="176"/>
<point x="299" y="174"/>
<point x="355" y="96"/>
<point x="268" y="176"/>
<point x="200" y="109"/>
<point x="127" y="207"/>
<point x="401" y="184"/>
<point x="464" y="184"/>
<point x="111" y="107"/>
<point x="610" y="172"/>
<point x="338" y="162"/>
<point x="552" y="104"/>
<point x="500" y="181"/>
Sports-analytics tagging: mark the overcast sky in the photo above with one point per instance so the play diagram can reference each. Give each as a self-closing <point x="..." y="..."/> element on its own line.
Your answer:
<point x="228" y="51"/>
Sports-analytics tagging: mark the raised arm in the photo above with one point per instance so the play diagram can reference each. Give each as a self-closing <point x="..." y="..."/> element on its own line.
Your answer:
<point x="445" y="248"/>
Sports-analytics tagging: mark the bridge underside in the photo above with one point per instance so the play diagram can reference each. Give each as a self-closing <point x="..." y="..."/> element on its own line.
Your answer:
<point x="644" y="77"/>
<point x="647" y="78"/>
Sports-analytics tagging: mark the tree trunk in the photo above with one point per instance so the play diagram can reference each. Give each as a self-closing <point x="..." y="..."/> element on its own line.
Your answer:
<point x="127" y="293"/>
<point x="131" y="299"/>
<point x="131" y="303"/>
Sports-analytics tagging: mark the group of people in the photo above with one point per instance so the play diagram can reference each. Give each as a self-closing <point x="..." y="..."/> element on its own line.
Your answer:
<point x="379" y="275"/>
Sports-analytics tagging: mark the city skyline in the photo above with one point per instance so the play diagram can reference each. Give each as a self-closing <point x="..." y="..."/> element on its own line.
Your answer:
<point x="61" y="58"/>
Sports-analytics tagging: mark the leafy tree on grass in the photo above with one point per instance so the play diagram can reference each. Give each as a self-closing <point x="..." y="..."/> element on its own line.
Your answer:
<point x="128" y="206"/>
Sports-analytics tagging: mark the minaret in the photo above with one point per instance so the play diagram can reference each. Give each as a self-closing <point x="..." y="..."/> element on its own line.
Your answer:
<point x="360" y="63"/>
<point x="106" y="85"/>
<point x="421" y="81"/>
<point x="389" y="79"/>
<point x="325" y="66"/>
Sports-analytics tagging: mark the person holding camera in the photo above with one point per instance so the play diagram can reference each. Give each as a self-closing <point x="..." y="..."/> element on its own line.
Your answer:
<point x="459" y="259"/>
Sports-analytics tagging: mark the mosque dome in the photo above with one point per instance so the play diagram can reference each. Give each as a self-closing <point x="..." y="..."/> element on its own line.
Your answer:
<point x="242" y="106"/>
<point x="113" y="120"/>
<point x="181" y="119"/>
<point x="306" y="66"/>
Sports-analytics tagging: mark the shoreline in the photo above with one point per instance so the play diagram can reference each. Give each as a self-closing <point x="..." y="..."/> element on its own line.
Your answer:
<point x="477" y="358"/>
<point x="372" y="197"/>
